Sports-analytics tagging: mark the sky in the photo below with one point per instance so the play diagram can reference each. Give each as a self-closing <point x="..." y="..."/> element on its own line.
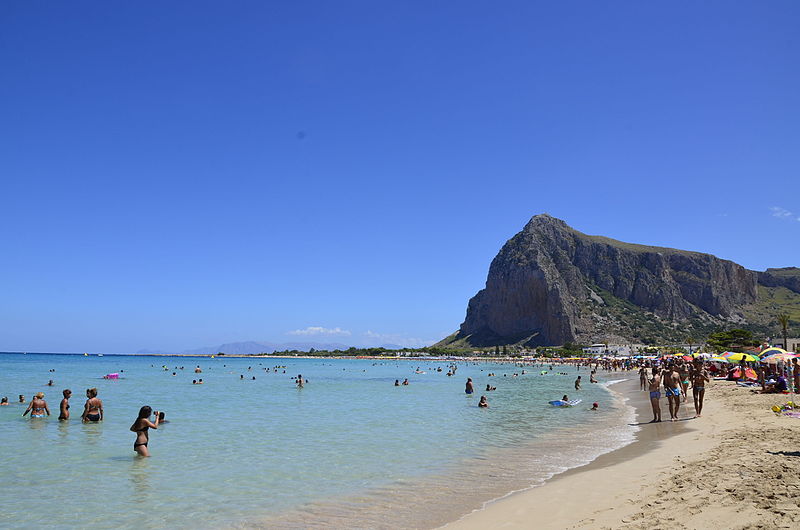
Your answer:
<point x="182" y="174"/>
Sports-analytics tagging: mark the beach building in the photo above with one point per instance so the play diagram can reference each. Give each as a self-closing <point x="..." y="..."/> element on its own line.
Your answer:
<point x="614" y="350"/>
<point x="793" y="344"/>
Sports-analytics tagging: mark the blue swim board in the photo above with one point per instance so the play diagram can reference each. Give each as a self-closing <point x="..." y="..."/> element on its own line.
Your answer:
<point x="570" y="403"/>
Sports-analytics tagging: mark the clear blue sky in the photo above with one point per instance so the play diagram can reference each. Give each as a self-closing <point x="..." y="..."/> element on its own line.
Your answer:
<point x="181" y="174"/>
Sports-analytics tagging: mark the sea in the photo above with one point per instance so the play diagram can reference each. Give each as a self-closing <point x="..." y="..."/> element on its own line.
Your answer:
<point x="248" y="449"/>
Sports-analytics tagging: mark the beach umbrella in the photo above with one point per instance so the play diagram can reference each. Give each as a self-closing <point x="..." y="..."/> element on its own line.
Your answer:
<point x="772" y="351"/>
<point x="776" y="358"/>
<point x="717" y="358"/>
<point x="736" y="357"/>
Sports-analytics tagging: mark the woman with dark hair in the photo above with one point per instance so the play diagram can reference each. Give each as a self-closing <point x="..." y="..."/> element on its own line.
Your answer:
<point x="141" y="427"/>
<point x="93" y="409"/>
<point x="64" y="406"/>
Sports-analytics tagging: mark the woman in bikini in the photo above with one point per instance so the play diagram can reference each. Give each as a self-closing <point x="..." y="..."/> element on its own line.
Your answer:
<point x="683" y="370"/>
<point x="37" y="406"/>
<point x="63" y="413"/>
<point x="93" y="409"/>
<point x="699" y="380"/>
<point x="142" y="427"/>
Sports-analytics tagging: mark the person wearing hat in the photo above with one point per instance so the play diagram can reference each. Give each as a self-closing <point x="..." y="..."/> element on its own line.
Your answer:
<point x="37" y="406"/>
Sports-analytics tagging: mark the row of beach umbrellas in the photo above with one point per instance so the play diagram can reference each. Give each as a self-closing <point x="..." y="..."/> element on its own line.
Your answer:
<point x="770" y="355"/>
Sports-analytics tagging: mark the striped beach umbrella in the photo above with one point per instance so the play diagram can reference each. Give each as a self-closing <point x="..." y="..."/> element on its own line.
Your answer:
<point x="772" y="351"/>
<point x="736" y="357"/>
<point x="776" y="358"/>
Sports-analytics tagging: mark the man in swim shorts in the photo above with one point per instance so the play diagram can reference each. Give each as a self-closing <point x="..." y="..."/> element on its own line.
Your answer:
<point x="655" y="395"/>
<point x="468" y="389"/>
<point x="672" y="386"/>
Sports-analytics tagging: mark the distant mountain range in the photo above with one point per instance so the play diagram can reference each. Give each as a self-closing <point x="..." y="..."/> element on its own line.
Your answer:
<point x="253" y="347"/>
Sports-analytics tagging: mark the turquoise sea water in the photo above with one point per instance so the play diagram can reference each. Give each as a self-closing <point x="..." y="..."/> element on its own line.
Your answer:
<point x="348" y="450"/>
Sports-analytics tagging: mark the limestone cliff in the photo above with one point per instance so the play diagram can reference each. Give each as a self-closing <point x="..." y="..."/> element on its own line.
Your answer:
<point x="551" y="284"/>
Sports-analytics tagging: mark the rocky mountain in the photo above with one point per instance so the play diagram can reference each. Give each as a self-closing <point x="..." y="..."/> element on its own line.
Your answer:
<point x="551" y="284"/>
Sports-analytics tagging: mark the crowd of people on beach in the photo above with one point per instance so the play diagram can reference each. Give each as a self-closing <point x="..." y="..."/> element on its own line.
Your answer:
<point x="676" y="377"/>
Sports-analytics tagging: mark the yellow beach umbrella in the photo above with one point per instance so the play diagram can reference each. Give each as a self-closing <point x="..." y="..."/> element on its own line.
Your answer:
<point x="772" y="351"/>
<point x="736" y="357"/>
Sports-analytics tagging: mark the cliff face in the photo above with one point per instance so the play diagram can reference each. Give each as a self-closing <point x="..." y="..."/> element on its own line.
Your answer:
<point x="551" y="284"/>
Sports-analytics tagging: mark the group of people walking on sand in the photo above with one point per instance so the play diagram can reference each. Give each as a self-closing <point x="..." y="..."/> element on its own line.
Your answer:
<point x="675" y="377"/>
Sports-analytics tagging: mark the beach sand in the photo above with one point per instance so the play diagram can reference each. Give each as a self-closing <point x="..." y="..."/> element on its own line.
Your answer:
<point x="736" y="467"/>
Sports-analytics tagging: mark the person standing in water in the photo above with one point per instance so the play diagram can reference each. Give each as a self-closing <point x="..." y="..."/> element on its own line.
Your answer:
<point x="483" y="403"/>
<point x="578" y="383"/>
<point x="37" y="406"/>
<point x="63" y="409"/>
<point x="93" y="409"/>
<point x="299" y="380"/>
<point x="469" y="390"/>
<point x="142" y="427"/>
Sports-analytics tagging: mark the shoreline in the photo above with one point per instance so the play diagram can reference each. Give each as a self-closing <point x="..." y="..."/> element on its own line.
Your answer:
<point x="712" y="472"/>
<point x="552" y="493"/>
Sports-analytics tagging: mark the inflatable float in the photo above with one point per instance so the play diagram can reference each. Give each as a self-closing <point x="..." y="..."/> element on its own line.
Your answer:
<point x="562" y="403"/>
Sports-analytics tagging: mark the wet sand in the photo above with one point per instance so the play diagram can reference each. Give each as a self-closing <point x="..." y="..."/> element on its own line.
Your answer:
<point x="736" y="467"/>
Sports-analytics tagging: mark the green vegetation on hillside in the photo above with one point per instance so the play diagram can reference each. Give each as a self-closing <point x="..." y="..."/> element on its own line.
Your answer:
<point x="773" y="301"/>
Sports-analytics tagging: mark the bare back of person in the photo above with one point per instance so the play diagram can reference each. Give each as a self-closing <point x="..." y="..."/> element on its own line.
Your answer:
<point x="93" y="410"/>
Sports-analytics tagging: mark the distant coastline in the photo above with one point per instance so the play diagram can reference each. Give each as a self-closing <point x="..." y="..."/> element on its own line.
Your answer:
<point x="282" y="355"/>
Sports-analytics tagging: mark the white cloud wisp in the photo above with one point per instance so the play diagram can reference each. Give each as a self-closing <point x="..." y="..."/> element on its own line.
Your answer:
<point x="319" y="330"/>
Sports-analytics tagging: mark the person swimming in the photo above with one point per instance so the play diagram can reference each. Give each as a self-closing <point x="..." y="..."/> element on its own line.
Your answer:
<point x="4" y="401"/>
<point x="37" y="406"/>
<point x="141" y="427"/>
<point x="483" y="403"/>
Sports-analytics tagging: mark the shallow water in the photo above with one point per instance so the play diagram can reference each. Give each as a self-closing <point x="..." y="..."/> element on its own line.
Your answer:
<point x="349" y="449"/>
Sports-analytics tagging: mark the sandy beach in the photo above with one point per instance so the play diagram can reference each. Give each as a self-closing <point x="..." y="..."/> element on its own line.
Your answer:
<point x="736" y="467"/>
